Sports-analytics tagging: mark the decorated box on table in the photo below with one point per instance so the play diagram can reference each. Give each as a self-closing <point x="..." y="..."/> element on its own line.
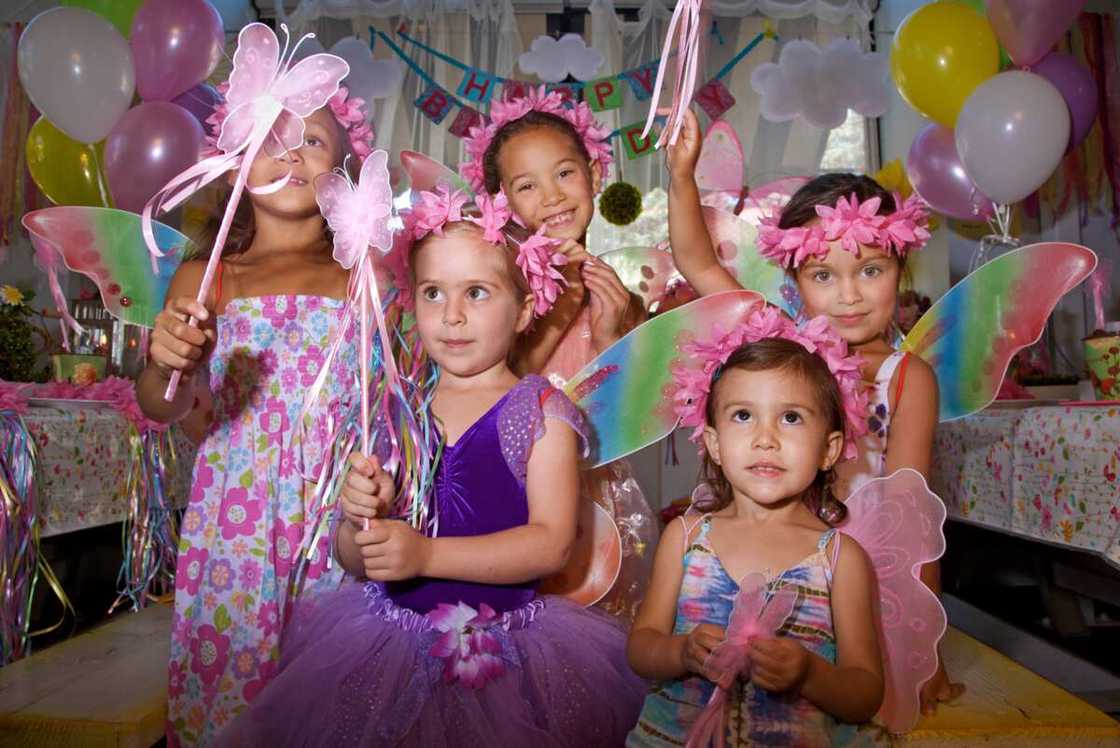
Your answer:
<point x="1102" y="358"/>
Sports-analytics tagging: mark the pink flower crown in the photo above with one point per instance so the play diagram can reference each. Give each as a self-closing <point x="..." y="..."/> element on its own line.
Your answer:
<point x="536" y="255"/>
<point x="851" y="223"/>
<point x="347" y="112"/>
<point x="693" y="385"/>
<point x="593" y="134"/>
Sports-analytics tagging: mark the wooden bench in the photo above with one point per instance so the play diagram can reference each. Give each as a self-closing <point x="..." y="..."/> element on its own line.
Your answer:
<point x="107" y="687"/>
<point x="1006" y="705"/>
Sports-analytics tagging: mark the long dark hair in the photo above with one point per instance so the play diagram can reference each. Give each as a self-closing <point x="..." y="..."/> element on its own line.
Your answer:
<point x="782" y="355"/>
<point x="491" y="176"/>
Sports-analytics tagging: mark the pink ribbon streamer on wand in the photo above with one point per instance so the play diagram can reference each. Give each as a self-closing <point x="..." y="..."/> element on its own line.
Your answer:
<point x="686" y="23"/>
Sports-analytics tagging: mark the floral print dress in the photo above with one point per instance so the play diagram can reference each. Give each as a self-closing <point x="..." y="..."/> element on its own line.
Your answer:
<point x="245" y="520"/>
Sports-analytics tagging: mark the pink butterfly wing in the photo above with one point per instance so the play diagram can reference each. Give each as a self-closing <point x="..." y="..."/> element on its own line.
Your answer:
<point x="255" y="62"/>
<point x="308" y="84"/>
<point x="898" y="521"/>
<point x="720" y="166"/>
<point x="342" y="207"/>
<point x="377" y="198"/>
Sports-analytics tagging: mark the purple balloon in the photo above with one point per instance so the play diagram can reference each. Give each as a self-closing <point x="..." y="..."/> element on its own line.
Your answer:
<point x="150" y="144"/>
<point x="199" y="101"/>
<point x="1077" y="86"/>
<point x="939" y="178"/>
<point x="176" y="44"/>
<point x="1028" y="29"/>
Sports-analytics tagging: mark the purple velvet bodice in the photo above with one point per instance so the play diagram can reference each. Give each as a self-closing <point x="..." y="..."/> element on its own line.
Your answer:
<point x="480" y="489"/>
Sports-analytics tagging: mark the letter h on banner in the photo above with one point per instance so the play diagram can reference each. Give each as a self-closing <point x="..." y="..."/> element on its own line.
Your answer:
<point x="477" y="86"/>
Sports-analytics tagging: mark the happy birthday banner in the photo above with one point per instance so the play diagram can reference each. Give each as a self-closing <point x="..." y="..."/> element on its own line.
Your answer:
<point x="477" y="88"/>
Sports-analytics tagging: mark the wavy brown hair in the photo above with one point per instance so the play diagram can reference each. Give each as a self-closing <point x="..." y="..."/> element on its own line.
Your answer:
<point x="779" y="354"/>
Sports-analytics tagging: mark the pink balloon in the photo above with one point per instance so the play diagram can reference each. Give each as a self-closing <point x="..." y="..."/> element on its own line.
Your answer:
<point x="1077" y="86"/>
<point x="176" y="44"/>
<point x="152" y="142"/>
<point x="199" y="101"/>
<point x="1028" y="29"/>
<point x="939" y="178"/>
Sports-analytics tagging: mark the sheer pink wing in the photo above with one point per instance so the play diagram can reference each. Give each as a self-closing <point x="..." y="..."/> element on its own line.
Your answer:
<point x="720" y="166"/>
<point x="342" y="208"/>
<point x="255" y="64"/>
<point x="899" y="522"/>
<point x="308" y="84"/>
<point x="358" y="216"/>
<point x="376" y="196"/>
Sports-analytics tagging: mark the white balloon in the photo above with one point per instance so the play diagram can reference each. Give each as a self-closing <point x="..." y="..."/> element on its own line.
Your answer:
<point x="1011" y="134"/>
<point x="77" y="69"/>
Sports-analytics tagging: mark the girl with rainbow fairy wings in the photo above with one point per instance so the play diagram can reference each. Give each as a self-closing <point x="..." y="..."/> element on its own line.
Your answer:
<point x="547" y="159"/>
<point x="837" y="249"/>
<point x="759" y="626"/>
<point x="267" y="298"/>
<point x="449" y="642"/>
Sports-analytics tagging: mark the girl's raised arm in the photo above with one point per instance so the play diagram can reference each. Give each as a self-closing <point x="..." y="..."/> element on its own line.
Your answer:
<point x="688" y="235"/>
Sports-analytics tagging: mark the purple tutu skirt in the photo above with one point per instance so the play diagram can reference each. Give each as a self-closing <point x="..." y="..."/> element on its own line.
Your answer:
<point x="357" y="669"/>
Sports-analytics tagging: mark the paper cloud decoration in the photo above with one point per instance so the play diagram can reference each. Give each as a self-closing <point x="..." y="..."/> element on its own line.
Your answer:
<point x="821" y="86"/>
<point x="552" y="60"/>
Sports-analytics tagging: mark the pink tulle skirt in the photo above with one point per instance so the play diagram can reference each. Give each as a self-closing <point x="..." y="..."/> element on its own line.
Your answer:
<point x="356" y="669"/>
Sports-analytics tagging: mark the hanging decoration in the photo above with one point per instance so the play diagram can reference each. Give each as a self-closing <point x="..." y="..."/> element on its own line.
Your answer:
<point x="552" y="60"/>
<point x="821" y="85"/>
<point x="478" y="88"/>
<point x="620" y="203"/>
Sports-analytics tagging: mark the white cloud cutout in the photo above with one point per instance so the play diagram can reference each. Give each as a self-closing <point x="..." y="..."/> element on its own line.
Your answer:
<point x="552" y="60"/>
<point x="822" y="85"/>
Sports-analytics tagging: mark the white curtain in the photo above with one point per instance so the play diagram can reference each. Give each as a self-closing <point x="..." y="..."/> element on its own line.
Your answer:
<point x="479" y="33"/>
<point x="484" y="34"/>
<point x="772" y="149"/>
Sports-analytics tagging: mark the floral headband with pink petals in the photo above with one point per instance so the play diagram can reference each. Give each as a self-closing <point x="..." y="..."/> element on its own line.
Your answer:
<point x="347" y="112"/>
<point x="536" y="256"/>
<point x="852" y="223"/>
<point x="694" y="385"/>
<point x="591" y="132"/>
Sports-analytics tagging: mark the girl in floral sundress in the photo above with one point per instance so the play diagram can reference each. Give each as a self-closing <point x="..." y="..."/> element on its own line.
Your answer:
<point x="275" y="305"/>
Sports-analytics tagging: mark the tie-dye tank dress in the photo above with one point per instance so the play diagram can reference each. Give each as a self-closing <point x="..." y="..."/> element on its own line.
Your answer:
<point x="756" y="717"/>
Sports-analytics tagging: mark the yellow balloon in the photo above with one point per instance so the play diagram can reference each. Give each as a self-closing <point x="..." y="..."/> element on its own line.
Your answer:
<point x="67" y="172"/>
<point x="940" y="53"/>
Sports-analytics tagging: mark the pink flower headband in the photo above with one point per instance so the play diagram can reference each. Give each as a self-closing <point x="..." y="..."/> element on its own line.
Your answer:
<point x="693" y="385"/>
<point x="347" y="112"/>
<point x="851" y="223"/>
<point x="536" y="256"/>
<point x="593" y="134"/>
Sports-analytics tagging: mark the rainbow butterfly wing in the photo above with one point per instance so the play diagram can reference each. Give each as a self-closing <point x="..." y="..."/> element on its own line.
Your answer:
<point x="971" y="333"/>
<point x="626" y="391"/>
<point x="735" y="240"/>
<point x="107" y="246"/>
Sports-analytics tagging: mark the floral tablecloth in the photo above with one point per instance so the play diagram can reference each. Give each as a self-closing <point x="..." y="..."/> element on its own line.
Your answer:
<point x="84" y="459"/>
<point x="1047" y="472"/>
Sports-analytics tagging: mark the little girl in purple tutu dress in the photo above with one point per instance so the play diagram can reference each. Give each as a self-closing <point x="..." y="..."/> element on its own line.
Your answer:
<point x="449" y="643"/>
